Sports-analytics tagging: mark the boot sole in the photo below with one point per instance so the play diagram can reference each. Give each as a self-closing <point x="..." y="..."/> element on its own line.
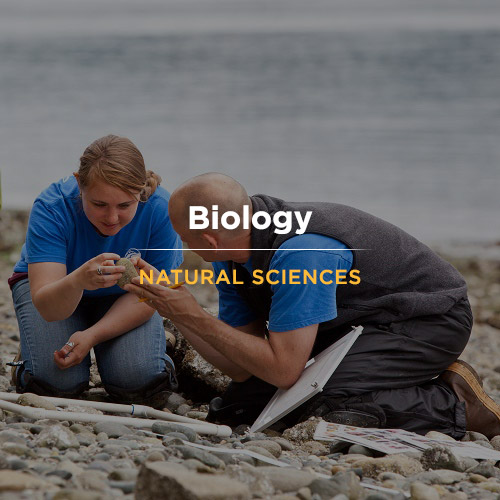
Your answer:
<point x="466" y="371"/>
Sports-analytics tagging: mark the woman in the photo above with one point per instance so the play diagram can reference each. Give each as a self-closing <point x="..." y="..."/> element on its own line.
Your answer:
<point x="64" y="285"/>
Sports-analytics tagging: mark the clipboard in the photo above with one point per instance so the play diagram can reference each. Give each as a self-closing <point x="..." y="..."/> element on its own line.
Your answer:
<point x="316" y="374"/>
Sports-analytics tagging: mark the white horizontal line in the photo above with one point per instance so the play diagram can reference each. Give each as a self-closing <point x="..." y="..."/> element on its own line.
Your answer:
<point x="254" y="249"/>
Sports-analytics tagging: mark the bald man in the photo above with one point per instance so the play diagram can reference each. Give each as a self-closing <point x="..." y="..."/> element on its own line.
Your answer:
<point x="400" y="373"/>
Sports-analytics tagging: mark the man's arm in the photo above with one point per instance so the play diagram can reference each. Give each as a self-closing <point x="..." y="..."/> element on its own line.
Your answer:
<point x="224" y="363"/>
<point x="278" y="361"/>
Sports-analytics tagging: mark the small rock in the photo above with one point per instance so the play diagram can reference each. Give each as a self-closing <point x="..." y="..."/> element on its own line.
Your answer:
<point x="401" y="464"/>
<point x="183" y="409"/>
<point x="440" y="457"/>
<point x="474" y="436"/>
<point x="174" y="401"/>
<point x="271" y="446"/>
<point x="484" y="468"/>
<point x="111" y="429"/>
<point x="59" y="436"/>
<point x="302" y="432"/>
<point x="201" y="455"/>
<point x="343" y="483"/>
<point x="490" y="486"/>
<point x="11" y="437"/>
<point x="420" y="491"/>
<point x="477" y="478"/>
<point x="495" y="442"/>
<point x="35" y="401"/>
<point x="439" y="436"/>
<point x="360" y="450"/>
<point x="167" y="427"/>
<point x="19" y="481"/>
<point x="155" y="456"/>
<point x="304" y="494"/>
<point x="161" y="480"/>
<point x="123" y="475"/>
<point x="69" y="494"/>
<point x="284" y="443"/>
<point x="314" y="448"/>
<point x="198" y="415"/>
<point x="286" y="480"/>
<point x="126" y="487"/>
<point x="259" y="450"/>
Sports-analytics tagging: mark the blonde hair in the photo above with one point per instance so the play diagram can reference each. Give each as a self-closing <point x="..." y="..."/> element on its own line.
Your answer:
<point x="117" y="161"/>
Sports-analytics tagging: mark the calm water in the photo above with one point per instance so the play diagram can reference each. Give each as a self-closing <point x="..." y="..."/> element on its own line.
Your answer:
<point x="393" y="107"/>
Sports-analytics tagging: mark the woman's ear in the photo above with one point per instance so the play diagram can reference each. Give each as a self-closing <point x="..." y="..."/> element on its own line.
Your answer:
<point x="77" y="177"/>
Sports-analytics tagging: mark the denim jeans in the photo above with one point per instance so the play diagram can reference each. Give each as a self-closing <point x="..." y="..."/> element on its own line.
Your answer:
<point x="129" y="361"/>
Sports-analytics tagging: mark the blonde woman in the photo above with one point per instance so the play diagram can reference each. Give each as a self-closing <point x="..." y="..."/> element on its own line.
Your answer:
<point x="64" y="285"/>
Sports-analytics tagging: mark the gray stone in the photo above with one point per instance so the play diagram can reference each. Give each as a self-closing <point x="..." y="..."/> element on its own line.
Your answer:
<point x="474" y="436"/>
<point x="161" y="480"/>
<point x="258" y="484"/>
<point x="302" y="432"/>
<point x="495" y="442"/>
<point x="259" y="450"/>
<point x="123" y="475"/>
<point x="196" y="465"/>
<point x="420" y="491"/>
<point x="59" y="436"/>
<point x="286" y="479"/>
<point x="35" y="401"/>
<point x="16" y="464"/>
<point x="398" y="463"/>
<point x="19" y="481"/>
<point x="70" y="494"/>
<point x="156" y="456"/>
<point x="284" y="443"/>
<point x="21" y="450"/>
<point x="198" y="415"/>
<point x="12" y="437"/>
<point x="86" y="438"/>
<point x="126" y="487"/>
<point x="315" y="448"/>
<point x="201" y="455"/>
<point x="100" y="466"/>
<point x="183" y="409"/>
<point x="174" y="401"/>
<point x="164" y="428"/>
<point x="484" y="469"/>
<point x="271" y="446"/>
<point x="441" y="476"/>
<point x="111" y="429"/>
<point x="440" y="457"/>
<point x="63" y="474"/>
<point x="360" y="450"/>
<point x="346" y="483"/>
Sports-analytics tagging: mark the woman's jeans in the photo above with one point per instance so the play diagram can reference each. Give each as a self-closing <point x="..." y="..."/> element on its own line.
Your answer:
<point x="127" y="363"/>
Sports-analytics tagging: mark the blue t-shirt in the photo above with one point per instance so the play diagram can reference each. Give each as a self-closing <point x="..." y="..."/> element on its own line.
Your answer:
<point x="59" y="231"/>
<point x="293" y="306"/>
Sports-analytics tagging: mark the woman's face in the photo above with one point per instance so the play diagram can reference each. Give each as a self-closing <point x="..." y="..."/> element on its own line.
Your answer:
<point x="107" y="207"/>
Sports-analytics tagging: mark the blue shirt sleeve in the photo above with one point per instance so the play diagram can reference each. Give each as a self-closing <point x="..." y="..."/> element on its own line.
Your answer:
<point x="46" y="235"/>
<point x="163" y="236"/>
<point x="296" y="306"/>
<point x="233" y="308"/>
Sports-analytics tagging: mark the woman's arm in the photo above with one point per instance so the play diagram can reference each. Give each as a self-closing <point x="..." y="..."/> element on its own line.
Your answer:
<point x="124" y="315"/>
<point x="56" y="294"/>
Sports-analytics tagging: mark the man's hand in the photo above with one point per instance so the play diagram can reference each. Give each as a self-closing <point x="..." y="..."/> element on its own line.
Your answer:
<point x="170" y="303"/>
<point x="69" y="356"/>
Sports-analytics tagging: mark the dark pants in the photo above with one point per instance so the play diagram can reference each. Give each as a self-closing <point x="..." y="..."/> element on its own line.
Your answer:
<point x="390" y="371"/>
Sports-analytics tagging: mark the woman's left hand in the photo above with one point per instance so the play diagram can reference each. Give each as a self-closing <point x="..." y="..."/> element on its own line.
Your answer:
<point x="71" y="355"/>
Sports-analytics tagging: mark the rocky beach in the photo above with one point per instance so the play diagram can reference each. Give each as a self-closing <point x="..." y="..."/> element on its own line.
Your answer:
<point x="50" y="459"/>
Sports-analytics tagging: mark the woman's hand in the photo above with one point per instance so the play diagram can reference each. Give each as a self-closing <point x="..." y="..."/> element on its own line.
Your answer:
<point x="100" y="272"/>
<point x="74" y="351"/>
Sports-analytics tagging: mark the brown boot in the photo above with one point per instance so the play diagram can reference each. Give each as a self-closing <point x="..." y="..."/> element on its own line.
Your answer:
<point x="481" y="412"/>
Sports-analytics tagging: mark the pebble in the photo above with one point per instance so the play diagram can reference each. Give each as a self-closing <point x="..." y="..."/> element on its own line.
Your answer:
<point x="164" y="428"/>
<point x="269" y="445"/>
<point x="420" y="491"/>
<point x="201" y="455"/>
<point x="111" y="429"/>
<point x="440" y="457"/>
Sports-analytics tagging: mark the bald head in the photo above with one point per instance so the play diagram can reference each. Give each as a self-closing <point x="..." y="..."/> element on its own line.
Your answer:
<point x="206" y="190"/>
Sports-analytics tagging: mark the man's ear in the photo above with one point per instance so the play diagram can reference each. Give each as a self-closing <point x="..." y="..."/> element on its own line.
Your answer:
<point x="210" y="239"/>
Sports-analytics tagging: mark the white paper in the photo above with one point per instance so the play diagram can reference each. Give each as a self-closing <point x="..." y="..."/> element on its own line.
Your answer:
<point x="398" y="440"/>
<point x="314" y="377"/>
